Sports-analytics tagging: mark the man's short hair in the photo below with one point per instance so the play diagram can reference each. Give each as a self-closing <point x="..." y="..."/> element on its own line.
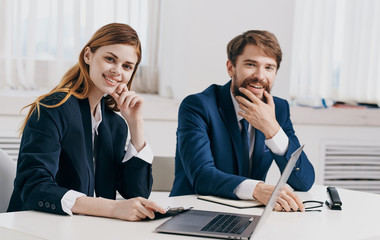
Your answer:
<point x="263" y="39"/>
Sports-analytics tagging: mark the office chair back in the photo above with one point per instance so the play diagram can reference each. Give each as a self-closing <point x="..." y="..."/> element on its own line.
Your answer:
<point x="7" y="176"/>
<point x="163" y="174"/>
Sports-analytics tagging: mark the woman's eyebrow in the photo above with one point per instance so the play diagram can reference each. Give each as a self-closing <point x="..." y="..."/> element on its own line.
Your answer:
<point x="116" y="57"/>
<point x="113" y="55"/>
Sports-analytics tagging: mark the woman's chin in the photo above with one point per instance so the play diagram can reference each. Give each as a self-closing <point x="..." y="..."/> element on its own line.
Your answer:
<point x="109" y="90"/>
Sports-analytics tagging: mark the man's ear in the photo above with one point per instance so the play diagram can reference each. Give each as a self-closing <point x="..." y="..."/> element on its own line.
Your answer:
<point x="230" y="68"/>
<point x="87" y="55"/>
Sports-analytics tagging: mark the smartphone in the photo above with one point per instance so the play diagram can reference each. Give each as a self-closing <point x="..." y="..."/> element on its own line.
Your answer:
<point x="171" y="211"/>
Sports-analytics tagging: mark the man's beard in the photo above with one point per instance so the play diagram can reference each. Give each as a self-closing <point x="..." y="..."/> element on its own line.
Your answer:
<point x="249" y="80"/>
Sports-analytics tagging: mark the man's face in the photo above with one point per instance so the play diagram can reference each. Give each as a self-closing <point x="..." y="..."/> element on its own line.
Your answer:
<point x="254" y="70"/>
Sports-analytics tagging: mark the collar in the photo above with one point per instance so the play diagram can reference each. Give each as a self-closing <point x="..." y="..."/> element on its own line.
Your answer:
<point x="236" y="106"/>
<point x="97" y="119"/>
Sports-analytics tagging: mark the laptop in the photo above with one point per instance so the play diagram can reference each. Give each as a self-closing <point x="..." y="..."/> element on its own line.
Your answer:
<point x="223" y="224"/>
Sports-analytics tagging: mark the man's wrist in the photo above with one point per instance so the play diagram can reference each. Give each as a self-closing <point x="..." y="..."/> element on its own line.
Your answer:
<point x="257" y="190"/>
<point x="271" y="132"/>
<point x="244" y="189"/>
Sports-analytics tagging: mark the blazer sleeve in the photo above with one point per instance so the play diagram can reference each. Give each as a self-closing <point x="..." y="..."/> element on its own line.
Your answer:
<point x="195" y="153"/>
<point x="135" y="175"/>
<point x="39" y="161"/>
<point x="303" y="176"/>
<point x="135" y="179"/>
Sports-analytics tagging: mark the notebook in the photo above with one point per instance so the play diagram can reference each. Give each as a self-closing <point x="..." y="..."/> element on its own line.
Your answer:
<point x="223" y="224"/>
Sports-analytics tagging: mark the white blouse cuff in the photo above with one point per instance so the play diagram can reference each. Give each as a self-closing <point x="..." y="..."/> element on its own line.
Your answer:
<point x="68" y="200"/>
<point x="145" y="154"/>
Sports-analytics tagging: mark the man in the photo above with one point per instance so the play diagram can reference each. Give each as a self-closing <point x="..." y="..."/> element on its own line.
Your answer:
<point x="216" y="155"/>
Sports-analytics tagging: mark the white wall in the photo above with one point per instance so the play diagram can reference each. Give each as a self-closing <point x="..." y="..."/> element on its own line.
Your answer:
<point x="316" y="127"/>
<point x="195" y="34"/>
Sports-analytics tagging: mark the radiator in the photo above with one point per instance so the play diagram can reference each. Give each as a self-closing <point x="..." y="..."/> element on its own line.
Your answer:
<point x="10" y="145"/>
<point x="352" y="165"/>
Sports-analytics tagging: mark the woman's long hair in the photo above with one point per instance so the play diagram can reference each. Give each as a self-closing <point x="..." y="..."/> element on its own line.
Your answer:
<point x="77" y="80"/>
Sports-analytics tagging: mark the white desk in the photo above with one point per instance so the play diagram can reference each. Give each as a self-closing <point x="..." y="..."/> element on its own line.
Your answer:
<point x="359" y="219"/>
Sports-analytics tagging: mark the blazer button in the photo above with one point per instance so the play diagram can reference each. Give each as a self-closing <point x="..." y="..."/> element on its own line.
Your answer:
<point x="47" y="205"/>
<point x="52" y="206"/>
<point x="40" y="203"/>
<point x="297" y="169"/>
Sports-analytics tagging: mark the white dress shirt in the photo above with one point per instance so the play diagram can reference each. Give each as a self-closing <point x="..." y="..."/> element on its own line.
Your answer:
<point x="146" y="154"/>
<point x="278" y="145"/>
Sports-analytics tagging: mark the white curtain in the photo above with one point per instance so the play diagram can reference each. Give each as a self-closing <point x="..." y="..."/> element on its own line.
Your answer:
<point x="147" y="80"/>
<point x="42" y="39"/>
<point x="336" y="50"/>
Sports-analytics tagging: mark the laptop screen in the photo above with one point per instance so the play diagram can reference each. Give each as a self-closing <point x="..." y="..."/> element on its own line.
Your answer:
<point x="277" y="190"/>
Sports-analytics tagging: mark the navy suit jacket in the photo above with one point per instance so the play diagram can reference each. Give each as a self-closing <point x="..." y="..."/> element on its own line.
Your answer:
<point x="56" y="155"/>
<point x="208" y="159"/>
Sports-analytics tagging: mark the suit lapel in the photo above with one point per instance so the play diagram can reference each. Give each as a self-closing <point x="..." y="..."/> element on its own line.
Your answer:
<point x="104" y="172"/>
<point x="227" y="111"/>
<point x="86" y="121"/>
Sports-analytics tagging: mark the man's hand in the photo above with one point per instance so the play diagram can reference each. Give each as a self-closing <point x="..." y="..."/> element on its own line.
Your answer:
<point x="287" y="201"/>
<point x="259" y="114"/>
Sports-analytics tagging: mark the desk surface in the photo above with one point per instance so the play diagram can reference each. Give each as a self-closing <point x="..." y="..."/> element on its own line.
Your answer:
<point x="359" y="219"/>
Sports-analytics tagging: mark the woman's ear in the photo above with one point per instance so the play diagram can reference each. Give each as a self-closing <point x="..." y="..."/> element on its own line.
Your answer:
<point x="87" y="55"/>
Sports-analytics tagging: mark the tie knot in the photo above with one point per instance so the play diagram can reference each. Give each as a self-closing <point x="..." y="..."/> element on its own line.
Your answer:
<point x="244" y="124"/>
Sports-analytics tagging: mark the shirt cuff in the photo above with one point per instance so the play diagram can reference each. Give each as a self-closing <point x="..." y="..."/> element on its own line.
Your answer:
<point x="279" y="143"/>
<point x="146" y="154"/>
<point x="68" y="200"/>
<point x="245" y="189"/>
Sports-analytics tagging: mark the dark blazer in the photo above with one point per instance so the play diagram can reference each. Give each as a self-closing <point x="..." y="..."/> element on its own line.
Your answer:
<point x="56" y="155"/>
<point x="208" y="160"/>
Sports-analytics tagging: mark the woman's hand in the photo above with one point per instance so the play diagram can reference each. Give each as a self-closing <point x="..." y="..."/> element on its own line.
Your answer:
<point x="130" y="105"/>
<point x="136" y="209"/>
<point x="133" y="209"/>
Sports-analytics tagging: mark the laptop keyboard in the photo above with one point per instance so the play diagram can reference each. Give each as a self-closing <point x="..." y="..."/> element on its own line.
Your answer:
<point x="225" y="223"/>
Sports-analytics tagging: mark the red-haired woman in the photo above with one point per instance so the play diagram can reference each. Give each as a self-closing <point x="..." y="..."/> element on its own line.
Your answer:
<point x="73" y="143"/>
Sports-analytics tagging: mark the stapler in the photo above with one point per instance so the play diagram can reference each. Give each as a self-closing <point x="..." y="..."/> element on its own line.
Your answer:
<point x="335" y="203"/>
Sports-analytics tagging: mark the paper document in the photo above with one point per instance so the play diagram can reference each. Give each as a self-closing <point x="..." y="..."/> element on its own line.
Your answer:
<point x="232" y="203"/>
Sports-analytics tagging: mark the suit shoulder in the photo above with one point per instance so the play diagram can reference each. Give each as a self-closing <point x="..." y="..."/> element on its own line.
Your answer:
<point x="54" y="118"/>
<point x="208" y="95"/>
<point x="201" y="104"/>
<point x="55" y="99"/>
<point x="281" y="108"/>
<point x="280" y="102"/>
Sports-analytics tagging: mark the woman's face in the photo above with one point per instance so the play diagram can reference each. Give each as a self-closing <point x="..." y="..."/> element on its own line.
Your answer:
<point x="110" y="66"/>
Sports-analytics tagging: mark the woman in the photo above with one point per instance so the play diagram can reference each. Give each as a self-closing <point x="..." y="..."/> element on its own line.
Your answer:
<point x="73" y="143"/>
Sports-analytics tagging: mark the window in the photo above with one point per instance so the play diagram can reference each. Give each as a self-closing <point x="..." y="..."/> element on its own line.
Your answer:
<point x="336" y="51"/>
<point x="42" y="39"/>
